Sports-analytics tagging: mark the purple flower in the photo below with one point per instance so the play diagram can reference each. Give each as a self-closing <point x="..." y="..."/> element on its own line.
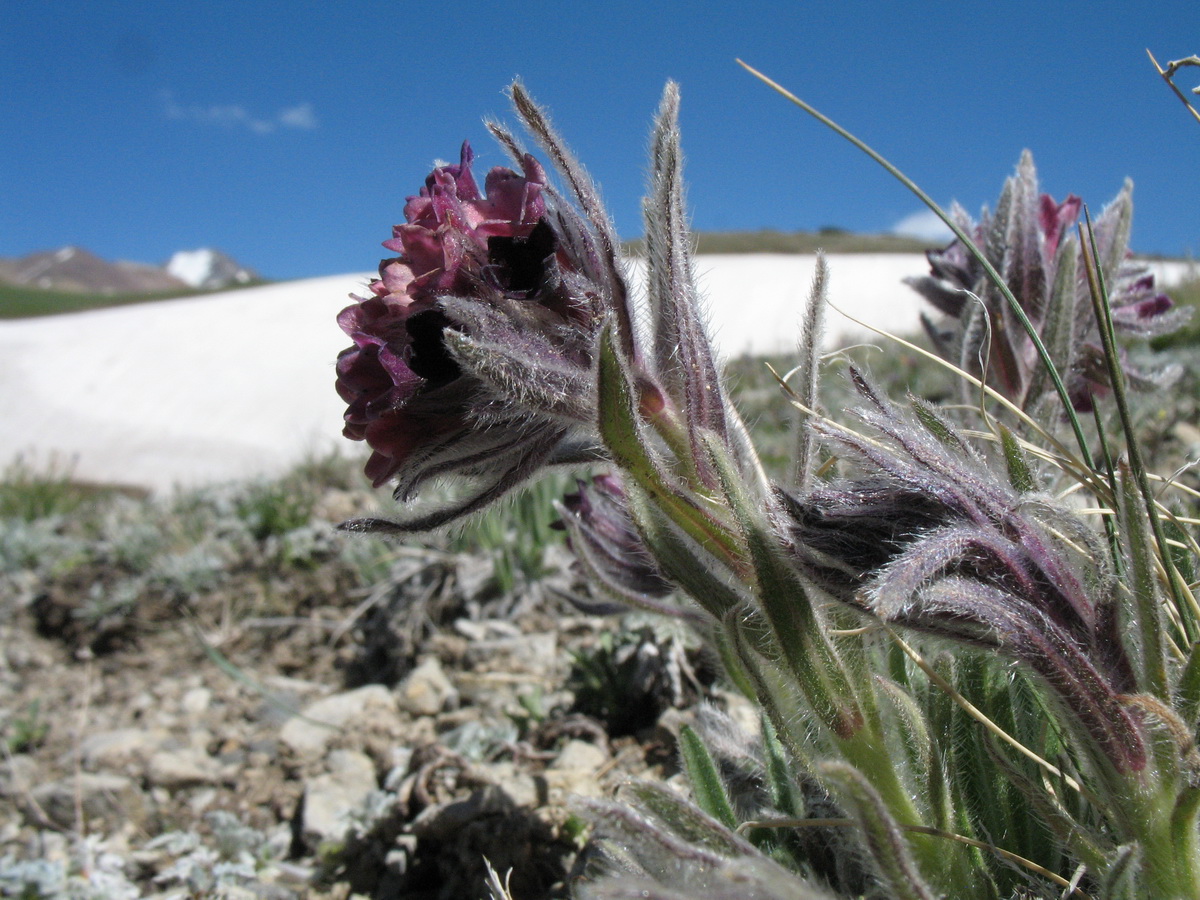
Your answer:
<point x="473" y="353"/>
<point x="1029" y="241"/>
<point x="453" y="239"/>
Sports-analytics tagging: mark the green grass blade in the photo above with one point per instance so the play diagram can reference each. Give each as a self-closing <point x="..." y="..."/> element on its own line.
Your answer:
<point x="779" y="773"/>
<point x="706" y="782"/>
<point x="1137" y="466"/>
<point x="1147" y="617"/>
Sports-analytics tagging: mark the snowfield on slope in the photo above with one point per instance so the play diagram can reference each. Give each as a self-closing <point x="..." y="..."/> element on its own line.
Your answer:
<point x="240" y="384"/>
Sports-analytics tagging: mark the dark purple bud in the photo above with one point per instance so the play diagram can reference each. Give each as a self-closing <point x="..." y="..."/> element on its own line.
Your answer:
<point x="929" y="536"/>
<point x="601" y="533"/>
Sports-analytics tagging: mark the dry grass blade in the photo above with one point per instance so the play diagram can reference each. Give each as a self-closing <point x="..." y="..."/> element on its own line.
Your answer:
<point x="1168" y="75"/>
<point x="975" y="713"/>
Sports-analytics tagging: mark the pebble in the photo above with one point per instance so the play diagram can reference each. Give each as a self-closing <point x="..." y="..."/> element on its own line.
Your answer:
<point x="310" y="733"/>
<point x="17" y="773"/>
<point x="574" y="770"/>
<point x="426" y="690"/>
<point x="104" y="800"/>
<point x="349" y="778"/>
<point x="196" y="702"/>
<point x="475" y="575"/>
<point x="579" y="755"/>
<point x="184" y="768"/>
<point x="121" y="748"/>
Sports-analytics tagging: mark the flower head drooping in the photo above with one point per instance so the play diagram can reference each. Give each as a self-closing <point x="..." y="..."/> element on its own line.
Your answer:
<point x="928" y="536"/>
<point x="1029" y="241"/>
<point x="472" y="353"/>
<point x="607" y="547"/>
<point x="398" y="353"/>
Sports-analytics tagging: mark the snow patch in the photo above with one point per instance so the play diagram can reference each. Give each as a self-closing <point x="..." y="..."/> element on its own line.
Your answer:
<point x="191" y="266"/>
<point x="207" y="268"/>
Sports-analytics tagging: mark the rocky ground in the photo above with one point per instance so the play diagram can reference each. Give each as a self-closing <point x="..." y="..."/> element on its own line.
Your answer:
<point x="291" y="712"/>
<point x="220" y="694"/>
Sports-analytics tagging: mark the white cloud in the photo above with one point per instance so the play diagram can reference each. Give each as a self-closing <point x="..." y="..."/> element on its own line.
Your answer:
<point x="923" y="224"/>
<point x="301" y="116"/>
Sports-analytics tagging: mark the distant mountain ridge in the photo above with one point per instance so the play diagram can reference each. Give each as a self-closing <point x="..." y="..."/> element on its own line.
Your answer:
<point x="766" y="240"/>
<point x="74" y="269"/>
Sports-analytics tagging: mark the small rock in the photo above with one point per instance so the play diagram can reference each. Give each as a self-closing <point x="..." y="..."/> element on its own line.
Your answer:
<point x="196" y="702"/>
<point x="310" y="732"/>
<point x="426" y="691"/>
<point x="121" y="747"/>
<point x="266" y="748"/>
<point x="107" y="799"/>
<point x="522" y="788"/>
<point x="486" y="629"/>
<point x="575" y="770"/>
<point x="184" y="768"/>
<point x="475" y="575"/>
<point x="328" y="797"/>
<point x="202" y="800"/>
<point x="17" y="773"/>
<point x="1187" y="434"/>
<point x="580" y="755"/>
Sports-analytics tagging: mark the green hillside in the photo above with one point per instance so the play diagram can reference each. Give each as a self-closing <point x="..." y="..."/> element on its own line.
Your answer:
<point x="22" y="302"/>
<point x="831" y="240"/>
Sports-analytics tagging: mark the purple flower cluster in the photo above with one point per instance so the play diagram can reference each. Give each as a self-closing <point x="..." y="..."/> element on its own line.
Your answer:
<point x="454" y="238"/>
<point x="1029" y="241"/>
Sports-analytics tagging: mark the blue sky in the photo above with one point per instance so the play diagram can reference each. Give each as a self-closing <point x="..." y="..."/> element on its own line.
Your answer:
<point x="289" y="134"/>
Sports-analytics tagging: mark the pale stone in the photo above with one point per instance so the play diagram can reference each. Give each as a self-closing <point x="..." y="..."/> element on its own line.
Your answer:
<point x="579" y="755"/>
<point x="328" y="797"/>
<point x="426" y="690"/>
<point x="196" y="701"/>
<point x="103" y="800"/>
<point x="311" y="732"/>
<point x="177" y="769"/>
<point x="121" y="747"/>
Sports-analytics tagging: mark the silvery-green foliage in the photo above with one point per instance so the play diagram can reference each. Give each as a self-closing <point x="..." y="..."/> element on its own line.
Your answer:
<point x="653" y="843"/>
<point x="233" y="856"/>
<point x="953" y="667"/>
<point x="195" y="570"/>
<point x="39" y="545"/>
<point x="91" y="872"/>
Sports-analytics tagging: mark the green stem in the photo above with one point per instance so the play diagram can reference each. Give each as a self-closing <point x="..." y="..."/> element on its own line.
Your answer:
<point x="1116" y="377"/>
<point x="1184" y="837"/>
<point x="1168" y="844"/>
